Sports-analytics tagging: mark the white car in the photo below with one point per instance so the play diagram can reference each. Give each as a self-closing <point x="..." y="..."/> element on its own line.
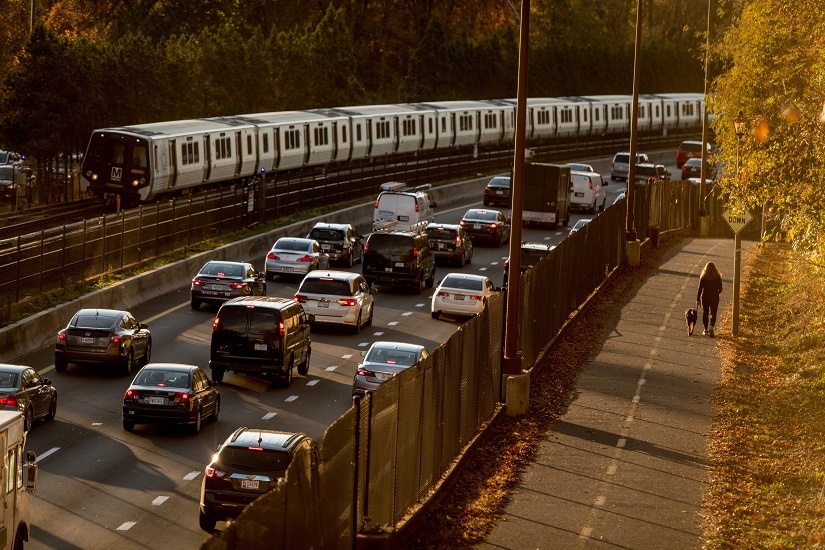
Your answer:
<point x="462" y="294"/>
<point x="294" y="256"/>
<point x="579" y="224"/>
<point x="337" y="298"/>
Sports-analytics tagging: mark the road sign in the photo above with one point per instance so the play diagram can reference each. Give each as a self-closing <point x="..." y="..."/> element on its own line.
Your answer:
<point x="737" y="220"/>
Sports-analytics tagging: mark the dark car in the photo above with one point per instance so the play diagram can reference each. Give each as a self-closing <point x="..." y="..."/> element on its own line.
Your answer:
<point x="487" y="225"/>
<point x="399" y="258"/>
<point x="450" y="242"/>
<point x="647" y="172"/>
<point x="341" y="241"/>
<point x="107" y="337"/>
<point x="248" y="464"/>
<point x="23" y="389"/>
<point x="217" y="282"/>
<point x="170" y="393"/>
<point x="531" y="254"/>
<point x="688" y="150"/>
<point x="261" y="335"/>
<point x="692" y="168"/>
<point x="497" y="191"/>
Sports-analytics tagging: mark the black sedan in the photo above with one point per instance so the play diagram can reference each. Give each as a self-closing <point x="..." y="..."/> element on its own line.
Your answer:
<point x="103" y="337"/>
<point x="23" y="389"/>
<point x="218" y="282"/>
<point x="488" y="225"/>
<point x="170" y="393"/>
<point x="692" y="168"/>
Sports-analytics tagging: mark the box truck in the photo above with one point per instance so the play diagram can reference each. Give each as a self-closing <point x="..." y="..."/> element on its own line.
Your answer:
<point x="546" y="194"/>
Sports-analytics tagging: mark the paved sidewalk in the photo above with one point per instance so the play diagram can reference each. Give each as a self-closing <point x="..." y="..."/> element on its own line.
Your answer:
<point x="625" y="466"/>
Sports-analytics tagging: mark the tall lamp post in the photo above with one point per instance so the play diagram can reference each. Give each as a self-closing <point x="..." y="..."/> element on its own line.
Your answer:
<point x="739" y="126"/>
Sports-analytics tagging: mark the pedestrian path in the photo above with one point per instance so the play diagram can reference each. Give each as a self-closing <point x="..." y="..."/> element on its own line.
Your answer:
<point x="626" y="465"/>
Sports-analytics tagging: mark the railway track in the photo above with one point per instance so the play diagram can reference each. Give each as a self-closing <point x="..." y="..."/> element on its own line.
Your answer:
<point x="37" y="218"/>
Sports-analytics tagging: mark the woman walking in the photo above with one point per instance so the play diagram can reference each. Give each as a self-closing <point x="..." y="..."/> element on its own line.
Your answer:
<point x="710" y="287"/>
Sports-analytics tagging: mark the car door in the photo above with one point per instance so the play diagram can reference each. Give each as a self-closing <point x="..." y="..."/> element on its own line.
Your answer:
<point x="363" y="296"/>
<point x="34" y="391"/>
<point x="138" y="336"/>
<point x="204" y="392"/>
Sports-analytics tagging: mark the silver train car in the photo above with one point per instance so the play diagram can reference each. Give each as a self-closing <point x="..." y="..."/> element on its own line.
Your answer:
<point x="144" y="162"/>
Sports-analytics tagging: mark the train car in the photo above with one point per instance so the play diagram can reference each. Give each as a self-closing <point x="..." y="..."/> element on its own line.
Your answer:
<point x="387" y="129"/>
<point x="458" y="122"/>
<point x="498" y="122"/>
<point x="613" y="112"/>
<point x="682" y="110"/>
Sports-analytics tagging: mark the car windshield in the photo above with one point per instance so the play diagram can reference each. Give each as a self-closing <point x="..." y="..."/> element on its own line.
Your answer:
<point x="326" y="234"/>
<point x="222" y="270"/>
<point x="463" y="283"/>
<point x="482" y="215"/>
<point x="298" y="246"/>
<point x="162" y="378"/>
<point x="8" y="380"/>
<point x="392" y="356"/>
<point x="257" y="460"/>
<point x="326" y="286"/>
<point x="441" y="233"/>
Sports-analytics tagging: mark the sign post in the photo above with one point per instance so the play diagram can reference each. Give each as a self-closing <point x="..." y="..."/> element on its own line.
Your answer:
<point x="737" y="222"/>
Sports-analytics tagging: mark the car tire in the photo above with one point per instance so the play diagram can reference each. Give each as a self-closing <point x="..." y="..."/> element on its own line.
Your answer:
<point x="360" y="254"/>
<point x="196" y="427"/>
<point x="217" y="375"/>
<point x="129" y="362"/>
<point x="593" y="208"/>
<point x="128" y="425"/>
<point x="19" y="543"/>
<point x="356" y="329"/>
<point x="350" y="258"/>
<point x="369" y="319"/>
<point x="430" y="280"/>
<point x="28" y="420"/>
<point x="286" y="380"/>
<point x="418" y="284"/>
<point x="436" y="314"/>
<point x="60" y="365"/>
<point x="147" y="356"/>
<point x="303" y="368"/>
<point x="52" y="409"/>
<point x="470" y="257"/>
<point x="195" y="304"/>
<point x="206" y="523"/>
<point x="216" y="411"/>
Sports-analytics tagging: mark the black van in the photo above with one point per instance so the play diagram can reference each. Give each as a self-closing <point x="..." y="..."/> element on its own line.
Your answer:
<point x="261" y="335"/>
<point x="399" y="257"/>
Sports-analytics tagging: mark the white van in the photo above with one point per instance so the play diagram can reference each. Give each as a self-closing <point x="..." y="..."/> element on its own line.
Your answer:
<point x="588" y="191"/>
<point x="403" y="209"/>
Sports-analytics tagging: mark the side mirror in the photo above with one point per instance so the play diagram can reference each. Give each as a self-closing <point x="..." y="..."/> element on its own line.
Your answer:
<point x="433" y="204"/>
<point x="373" y="291"/>
<point x="144" y="325"/>
<point x="46" y="382"/>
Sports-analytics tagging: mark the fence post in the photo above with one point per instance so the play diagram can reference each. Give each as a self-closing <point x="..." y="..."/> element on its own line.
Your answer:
<point x="122" y="238"/>
<point x="140" y="233"/>
<point x="19" y="261"/>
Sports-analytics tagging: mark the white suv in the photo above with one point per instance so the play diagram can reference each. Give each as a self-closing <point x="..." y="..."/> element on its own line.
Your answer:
<point x="338" y="298"/>
<point x="621" y="165"/>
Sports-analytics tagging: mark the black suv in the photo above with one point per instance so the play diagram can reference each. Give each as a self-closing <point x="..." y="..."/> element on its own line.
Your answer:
<point x="450" y="243"/>
<point x="341" y="241"/>
<point x="261" y="335"/>
<point x="399" y="257"/>
<point x="248" y="464"/>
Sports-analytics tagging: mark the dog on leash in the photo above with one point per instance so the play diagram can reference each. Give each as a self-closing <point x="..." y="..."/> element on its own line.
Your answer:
<point x="691" y="316"/>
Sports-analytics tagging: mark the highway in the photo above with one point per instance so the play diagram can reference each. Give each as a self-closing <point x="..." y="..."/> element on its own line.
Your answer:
<point x="101" y="487"/>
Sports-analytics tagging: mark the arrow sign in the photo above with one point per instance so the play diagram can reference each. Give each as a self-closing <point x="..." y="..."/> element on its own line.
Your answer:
<point x="737" y="220"/>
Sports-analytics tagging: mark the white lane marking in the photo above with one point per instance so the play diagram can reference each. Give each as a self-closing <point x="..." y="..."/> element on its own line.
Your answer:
<point x="347" y="356"/>
<point x="331" y="368"/>
<point x="621" y="443"/>
<point x="493" y="263"/>
<point x="406" y="314"/>
<point x="126" y="525"/>
<point x="379" y="333"/>
<point x="363" y="344"/>
<point x="47" y="453"/>
<point x="191" y="475"/>
<point x="482" y="269"/>
<point x="392" y="323"/>
<point x="267" y="416"/>
<point x="97" y="423"/>
<point x="291" y="398"/>
<point x="420" y="305"/>
<point x="313" y="382"/>
<point x="160" y="500"/>
<point x="167" y="312"/>
<point x="599" y="501"/>
<point x="585" y="533"/>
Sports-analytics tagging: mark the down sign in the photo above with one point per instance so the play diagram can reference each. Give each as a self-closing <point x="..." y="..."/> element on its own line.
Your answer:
<point x="737" y="220"/>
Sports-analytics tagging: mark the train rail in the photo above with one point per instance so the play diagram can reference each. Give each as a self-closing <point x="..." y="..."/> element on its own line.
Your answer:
<point x="38" y="218"/>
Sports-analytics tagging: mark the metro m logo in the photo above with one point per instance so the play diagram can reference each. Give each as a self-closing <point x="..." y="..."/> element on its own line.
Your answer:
<point x="117" y="173"/>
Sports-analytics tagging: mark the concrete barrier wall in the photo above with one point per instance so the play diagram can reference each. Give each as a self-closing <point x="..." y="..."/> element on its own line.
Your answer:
<point x="40" y="330"/>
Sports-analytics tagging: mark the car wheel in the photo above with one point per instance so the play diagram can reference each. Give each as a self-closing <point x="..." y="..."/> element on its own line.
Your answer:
<point x="303" y="368"/>
<point x="196" y="427"/>
<point x="470" y="257"/>
<point x="350" y="258"/>
<point x="593" y="208"/>
<point x="431" y="279"/>
<point x="195" y="304"/>
<point x="148" y="355"/>
<point x="52" y="409"/>
<point x="128" y="425"/>
<point x="28" y="420"/>
<point x="357" y="328"/>
<point x="18" y="540"/>
<point x="263" y="289"/>
<point x="216" y="411"/>
<point x="418" y="284"/>
<point x="206" y="523"/>
<point x="369" y="319"/>
<point x="287" y="377"/>
<point x="129" y="363"/>
<point x="604" y="203"/>
<point x="60" y="365"/>
<point x="217" y="375"/>
<point x="360" y="254"/>
<point x="436" y="314"/>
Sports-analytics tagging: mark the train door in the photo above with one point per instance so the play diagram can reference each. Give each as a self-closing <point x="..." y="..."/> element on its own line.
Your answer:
<point x="396" y="132"/>
<point x="239" y="153"/>
<point x="335" y="138"/>
<point x="173" y="163"/>
<point x="207" y="159"/>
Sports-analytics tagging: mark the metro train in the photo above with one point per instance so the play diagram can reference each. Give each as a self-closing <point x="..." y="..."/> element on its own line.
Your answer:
<point x="144" y="162"/>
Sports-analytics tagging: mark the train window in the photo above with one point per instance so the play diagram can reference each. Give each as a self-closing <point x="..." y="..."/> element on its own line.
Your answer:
<point x="443" y="125"/>
<point x="358" y="132"/>
<point x="321" y="136"/>
<point x="544" y="117"/>
<point x="409" y="127"/>
<point x="490" y="120"/>
<point x="616" y="112"/>
<point x="668" y="111"/>
<point x="465" y="123"/>
<point x="139" y="159"/>
<point x="249" y="145"/>
<point x="584" y="116"/>
<point x="641" y="111"/>
<point x="382" y="129"/>
<point x="596" y="112"/>
<point x="292" y="140"/>
<point x="119" y="153"/>
<point x="430" y="126"/>
<point x="266" y="142"/>
<point x="566" y="116"/>
<point x="343" y="134"/>
<point x="190" y="153"/>
<point x="657" y="111"/>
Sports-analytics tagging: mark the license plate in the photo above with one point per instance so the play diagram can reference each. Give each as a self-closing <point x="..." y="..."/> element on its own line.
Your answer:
<point x="156" y="400"/>
<point x="399" y="264"/>
<point x="476" y="226"/>
<point x="383" y="375"/>
<point x="388" y="269"/>
<point x="458" y="297"/>
<point x="499" y="192"/>
<point x="216" y="287"/>
<point x="286" y="269"/>
<point x="260" y="347"/>
<point x="250" y="484"/>
<point x="86" y="340"/>
<point x="579" y="194"/>
<point x="326" y="246"/>
<point x="323" y="304"/>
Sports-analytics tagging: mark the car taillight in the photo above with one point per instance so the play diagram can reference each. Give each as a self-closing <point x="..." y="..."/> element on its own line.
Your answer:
<point x="115" y="339"/>
<point x="197" y="282"/>
<point x="477" y="298"/>
<point x="458" y="239"/>
<point x="272" y="256"/>
<point x="591" y="185"/>
<point x="61" y="335"/>
<point x="415" y="252"/>
<point x="493" y="225"/>
<point x="376" y="204"/>
<point x="131" y="395"/>
<point x="181" y="397"/>
<point x="416" y="206"/>
<point x="305" y="259"/>
<point x="237" y="285"/>
<point x="487" y="191"/>
<point x="367" y="246"/>
<point x="213" y="473"/>
<point x="364" y="372"/>
<point x="216" y="323"/>
<point x="300" y="298"/>
<point x="442" y="293"/>
<point x="281" y="330"/>
<point x="347" y="301"/>
<point x="8" y="400"/>
<point x="462" y="223"/>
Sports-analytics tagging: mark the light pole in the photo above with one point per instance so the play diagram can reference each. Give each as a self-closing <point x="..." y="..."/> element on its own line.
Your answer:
<point x="739" y="126"/>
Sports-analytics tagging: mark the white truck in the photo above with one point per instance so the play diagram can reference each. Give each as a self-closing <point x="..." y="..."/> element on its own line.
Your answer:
<point x="402" y="209"/>
<point x="16" y="525"/>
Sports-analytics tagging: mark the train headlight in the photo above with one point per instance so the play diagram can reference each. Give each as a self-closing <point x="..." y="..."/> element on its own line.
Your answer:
<point x="135" y="183"/>
<point x="94" y="177"/>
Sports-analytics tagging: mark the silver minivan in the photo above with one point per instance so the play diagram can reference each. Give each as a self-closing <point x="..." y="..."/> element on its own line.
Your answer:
<point x="621" y="165"/>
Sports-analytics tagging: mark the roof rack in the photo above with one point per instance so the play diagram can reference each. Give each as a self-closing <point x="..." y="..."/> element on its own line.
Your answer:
<point x="393" y="186"/>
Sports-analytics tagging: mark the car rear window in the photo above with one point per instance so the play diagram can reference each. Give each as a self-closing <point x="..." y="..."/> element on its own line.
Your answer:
<point x="95" y="321"/>
<point x="622" y="158"/>
<point x="264" y="322"/>
<point x="292" y="245"/>
<point x="693" y="147"/>
<point x="326" y="235"/>
<point x="499" y="182"/>
<point x="384" y="243"/>
<point x="222" y="270"/>
<point x="484" y="215"/>
<point x="8" y="380"/>
<point x="233" y="319"/>
<point x="254" y="460"/>
<point x="391" y="356"/>
<point x="322" y="286"/>
<point x="441" y="233"/>
<point x="531" y="257"/>
<point x="462" y="284"/>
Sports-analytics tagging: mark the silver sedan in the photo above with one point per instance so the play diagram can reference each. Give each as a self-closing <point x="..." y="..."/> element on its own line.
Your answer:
<point x="295" y="256"/>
